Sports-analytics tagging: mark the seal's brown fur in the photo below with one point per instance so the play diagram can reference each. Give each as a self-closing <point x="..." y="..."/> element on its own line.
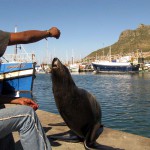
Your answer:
<point x="79" y="108"/>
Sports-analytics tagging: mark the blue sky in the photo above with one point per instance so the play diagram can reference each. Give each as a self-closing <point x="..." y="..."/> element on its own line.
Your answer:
<point x="86" y="25"/>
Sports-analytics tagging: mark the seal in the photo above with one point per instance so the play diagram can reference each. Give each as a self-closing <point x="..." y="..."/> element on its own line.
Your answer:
<point x="79" y="109"/>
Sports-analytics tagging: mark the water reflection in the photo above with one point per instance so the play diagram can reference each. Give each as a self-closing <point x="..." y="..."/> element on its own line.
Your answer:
<point x="124" y="98"/>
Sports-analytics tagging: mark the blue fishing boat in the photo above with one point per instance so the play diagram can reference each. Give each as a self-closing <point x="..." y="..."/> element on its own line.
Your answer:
<point x="17" y="73"/>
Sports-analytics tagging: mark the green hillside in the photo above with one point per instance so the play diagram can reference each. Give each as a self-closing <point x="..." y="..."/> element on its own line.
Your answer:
<point x="130" y="41"/>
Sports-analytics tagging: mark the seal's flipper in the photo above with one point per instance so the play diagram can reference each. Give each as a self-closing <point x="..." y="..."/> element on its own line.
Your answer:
<point x="67" y="137"/>
<point x="99" y="131"/>
<point x="93" y="134"/>
<point x="94" y="146"/>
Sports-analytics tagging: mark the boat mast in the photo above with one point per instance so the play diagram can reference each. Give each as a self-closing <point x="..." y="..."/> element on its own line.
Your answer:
<point x="110" y="54"/>
<point x="72" y="57"/>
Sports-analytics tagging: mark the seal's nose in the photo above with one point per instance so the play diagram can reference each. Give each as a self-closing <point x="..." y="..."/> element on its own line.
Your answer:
<point x="55" y="59"/>
<point x="54" y="63"/>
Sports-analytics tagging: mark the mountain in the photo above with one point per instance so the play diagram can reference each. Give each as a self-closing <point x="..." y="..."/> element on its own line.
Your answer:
<point x="130" y="41"/>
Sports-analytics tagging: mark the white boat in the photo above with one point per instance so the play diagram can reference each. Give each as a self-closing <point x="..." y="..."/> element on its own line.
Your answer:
<point x="121" y="65"/>
<point x="114" y="67"/>
<point x="147" y="66"/>
<point x="39" y="69"/>
<point x="73" y="68"/>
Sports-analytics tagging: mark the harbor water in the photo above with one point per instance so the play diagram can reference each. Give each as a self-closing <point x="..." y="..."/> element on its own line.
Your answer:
<point x="124" y="98"/>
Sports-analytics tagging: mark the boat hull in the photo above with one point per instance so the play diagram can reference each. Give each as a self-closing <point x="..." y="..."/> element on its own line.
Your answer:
<point x="17" y="78"/>
<point x="115" y="68"/>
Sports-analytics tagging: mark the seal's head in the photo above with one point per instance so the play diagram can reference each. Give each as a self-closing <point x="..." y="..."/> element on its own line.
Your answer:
<point x="60" y="73"/>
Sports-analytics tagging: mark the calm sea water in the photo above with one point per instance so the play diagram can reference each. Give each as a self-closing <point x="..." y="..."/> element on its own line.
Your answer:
<point x="124" y="98"/>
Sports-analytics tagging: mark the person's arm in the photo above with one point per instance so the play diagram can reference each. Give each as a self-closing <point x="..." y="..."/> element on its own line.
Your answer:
<point x="4" y="99"/>
<point x="32" y="36"/>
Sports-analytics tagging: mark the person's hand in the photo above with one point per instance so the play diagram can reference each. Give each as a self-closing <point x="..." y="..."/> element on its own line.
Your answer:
<point x="54" y="32"/>
<point x="27" y="102"/>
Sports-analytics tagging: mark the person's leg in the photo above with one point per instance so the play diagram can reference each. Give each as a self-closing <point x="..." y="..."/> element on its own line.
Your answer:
<point x="7" y="143"/>
<point x="24" y="120"/>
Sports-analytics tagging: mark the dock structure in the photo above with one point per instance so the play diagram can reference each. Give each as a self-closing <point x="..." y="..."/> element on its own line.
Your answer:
<point x="86" y="70"/>
<point x="109" y="139"/>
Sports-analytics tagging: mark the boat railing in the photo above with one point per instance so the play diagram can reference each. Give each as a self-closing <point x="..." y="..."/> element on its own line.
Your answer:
<point x="20" y="57"/>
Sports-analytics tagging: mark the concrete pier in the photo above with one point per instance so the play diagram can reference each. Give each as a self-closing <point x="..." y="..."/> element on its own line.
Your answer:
<point x="109" y="139"/>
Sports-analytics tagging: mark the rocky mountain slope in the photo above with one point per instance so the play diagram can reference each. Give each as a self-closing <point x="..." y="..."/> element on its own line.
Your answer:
<point x="130" y="41"/>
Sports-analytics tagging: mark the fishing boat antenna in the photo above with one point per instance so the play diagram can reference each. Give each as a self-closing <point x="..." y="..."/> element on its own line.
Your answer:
<point x="15" y="51"/>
